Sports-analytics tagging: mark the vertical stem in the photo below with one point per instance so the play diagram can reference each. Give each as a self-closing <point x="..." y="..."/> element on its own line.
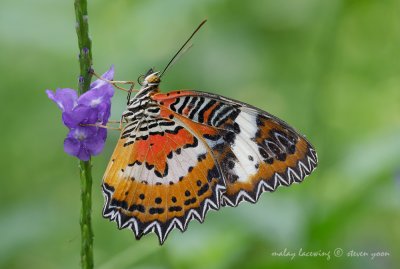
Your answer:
<point x="85" y="167"/>
<point x="85" y="45"/>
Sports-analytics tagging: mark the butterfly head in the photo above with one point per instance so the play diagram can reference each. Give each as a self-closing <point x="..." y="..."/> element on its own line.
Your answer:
<point x="151" y="79"/>
<point x="149" y="84"/>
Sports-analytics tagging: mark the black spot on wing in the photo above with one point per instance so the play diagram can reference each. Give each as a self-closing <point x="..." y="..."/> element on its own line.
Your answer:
<point x="203" y="189"/>
<point x="156" y="210"/>
<point x="174" y="208"/>
<point x="137" y="207"/>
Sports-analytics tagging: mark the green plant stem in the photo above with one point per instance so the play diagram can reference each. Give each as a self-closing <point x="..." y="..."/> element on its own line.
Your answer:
<point x="85" y="170"/>
<point x="85" y="45"/>
<point x="85" y="167"/>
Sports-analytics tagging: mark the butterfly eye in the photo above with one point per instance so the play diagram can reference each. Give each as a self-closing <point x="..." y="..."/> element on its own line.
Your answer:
<point x="140" y="80"/>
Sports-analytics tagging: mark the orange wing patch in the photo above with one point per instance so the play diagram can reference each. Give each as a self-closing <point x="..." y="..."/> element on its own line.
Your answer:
<point x="161" y="182"/>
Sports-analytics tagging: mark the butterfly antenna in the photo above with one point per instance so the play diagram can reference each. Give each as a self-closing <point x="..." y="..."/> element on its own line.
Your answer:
<point x="182" y="48"/>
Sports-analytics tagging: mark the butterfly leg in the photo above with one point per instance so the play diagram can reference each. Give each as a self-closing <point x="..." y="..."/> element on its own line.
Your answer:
<point x="116" y="121"/>
<point x="103" y="126"/>
<point x="108" y="127"/>
<point x="115" y="82"/>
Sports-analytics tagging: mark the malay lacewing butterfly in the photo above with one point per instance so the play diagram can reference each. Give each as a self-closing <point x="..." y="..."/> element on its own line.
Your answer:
<point x="185" y="152"/>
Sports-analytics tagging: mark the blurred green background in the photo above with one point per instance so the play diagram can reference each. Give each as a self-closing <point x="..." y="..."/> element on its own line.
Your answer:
<point x="329" y="68"/>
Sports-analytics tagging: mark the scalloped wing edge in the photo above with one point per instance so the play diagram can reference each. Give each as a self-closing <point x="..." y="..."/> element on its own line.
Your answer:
<point x="112" y="213"/>
<point x="271" y="184"/>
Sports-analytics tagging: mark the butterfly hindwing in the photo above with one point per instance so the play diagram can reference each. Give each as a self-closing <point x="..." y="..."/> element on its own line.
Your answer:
<point x="160" y="176"/>
<point x="197" y="151"/>
<point x="254" y="150"/>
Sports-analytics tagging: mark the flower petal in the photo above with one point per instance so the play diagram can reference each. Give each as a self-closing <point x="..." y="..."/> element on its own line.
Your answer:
<point x="82" y="133"/>
<point x="104" y="87"/>
<point x="83" y="154"/>
<point x="96" y="143"/>
<point x="66" y="99"/>
<point x="80" y="115"/>
<point x="109" y="75"/>
<point x="75" y="143"/>
<point x="72" y="146"/>
<point x="104" y="111"/>
<point x="99" y="97"/>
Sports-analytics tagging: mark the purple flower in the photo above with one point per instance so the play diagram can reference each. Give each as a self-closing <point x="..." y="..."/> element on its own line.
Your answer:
<point x="85" y="141"/>
<point x="92" y="107"/>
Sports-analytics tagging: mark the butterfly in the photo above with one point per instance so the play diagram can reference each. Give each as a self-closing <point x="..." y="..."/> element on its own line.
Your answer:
<point x="185" y="152"/>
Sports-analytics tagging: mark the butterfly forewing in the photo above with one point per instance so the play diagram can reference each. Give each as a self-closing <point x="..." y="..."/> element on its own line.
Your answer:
<point x="167" y="177"/>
